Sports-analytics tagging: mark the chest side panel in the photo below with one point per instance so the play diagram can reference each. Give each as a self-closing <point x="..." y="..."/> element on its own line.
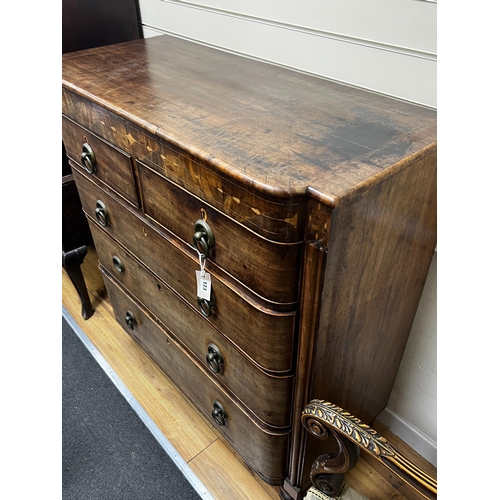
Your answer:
<point x="381" y="247"/>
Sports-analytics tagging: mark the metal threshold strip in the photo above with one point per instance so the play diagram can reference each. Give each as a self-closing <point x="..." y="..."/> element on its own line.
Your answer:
<point x="153" y="428"/>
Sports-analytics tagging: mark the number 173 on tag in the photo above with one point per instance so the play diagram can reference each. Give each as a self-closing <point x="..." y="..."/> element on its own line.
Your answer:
<point x="204" y="284"/>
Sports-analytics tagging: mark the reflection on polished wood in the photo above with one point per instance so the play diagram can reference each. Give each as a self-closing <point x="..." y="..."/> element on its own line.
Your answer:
<point x="221" y="471"/>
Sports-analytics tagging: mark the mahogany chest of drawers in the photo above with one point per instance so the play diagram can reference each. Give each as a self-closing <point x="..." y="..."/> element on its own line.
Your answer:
<point x="310" y="206"/>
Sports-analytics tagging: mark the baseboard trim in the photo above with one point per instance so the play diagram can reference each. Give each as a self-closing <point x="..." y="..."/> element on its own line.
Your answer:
<point x="413" y="437"/>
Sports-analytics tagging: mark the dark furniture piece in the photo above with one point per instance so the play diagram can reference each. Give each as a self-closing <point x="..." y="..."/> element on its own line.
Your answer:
<point x="88" y="24"/>
<point x="76" y="235"/>
<point x="94" y="23"/>
<point x="311" y="206"/>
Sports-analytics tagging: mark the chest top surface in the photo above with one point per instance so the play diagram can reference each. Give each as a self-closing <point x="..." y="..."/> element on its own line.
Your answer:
<point x="276" y="130"/>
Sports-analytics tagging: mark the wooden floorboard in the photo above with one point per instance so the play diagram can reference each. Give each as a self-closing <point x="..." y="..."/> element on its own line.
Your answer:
<point x="210" y="458"/>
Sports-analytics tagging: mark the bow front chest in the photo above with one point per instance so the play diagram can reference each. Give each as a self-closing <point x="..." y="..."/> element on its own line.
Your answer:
<point x="264" y="235"/>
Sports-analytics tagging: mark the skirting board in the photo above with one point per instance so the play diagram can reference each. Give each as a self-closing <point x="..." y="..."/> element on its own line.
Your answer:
<point x="410" y="435"/>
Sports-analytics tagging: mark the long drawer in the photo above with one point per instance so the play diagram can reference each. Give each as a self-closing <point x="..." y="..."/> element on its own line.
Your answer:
<point x="269" y="268"/>
<point x="265" y="395"/>
<point x="269" y="342"/>
<point x="263" y="450"/>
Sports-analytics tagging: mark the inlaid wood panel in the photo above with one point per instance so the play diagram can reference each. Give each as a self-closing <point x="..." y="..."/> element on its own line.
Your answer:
<point x="278" y="131"/>
<point x="236" y="249"/>
<point x="274" y="217"/>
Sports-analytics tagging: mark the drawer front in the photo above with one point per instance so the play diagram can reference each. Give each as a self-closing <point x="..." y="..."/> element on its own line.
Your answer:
<point x="277" y="218"/>
<point x="269" y="268"/>
<point x="264" y="451"/>
<point x="232" y="314"/>
<point x="268" y="397"/>
<point x="98" y="158"/>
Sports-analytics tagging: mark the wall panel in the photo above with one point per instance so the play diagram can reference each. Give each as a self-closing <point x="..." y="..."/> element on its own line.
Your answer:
<point x="329" y="43"/>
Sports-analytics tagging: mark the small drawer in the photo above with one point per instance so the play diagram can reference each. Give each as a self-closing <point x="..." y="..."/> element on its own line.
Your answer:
<point x="271" y="269"/>
<point x="264" y="450"/>
<point x="267" y="396"/>
<point x="98" y="158"/>
<point x="270" y="345"/>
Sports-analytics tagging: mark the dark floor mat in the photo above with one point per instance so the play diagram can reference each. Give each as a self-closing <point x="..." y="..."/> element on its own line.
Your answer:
<point x="108" y="453"/>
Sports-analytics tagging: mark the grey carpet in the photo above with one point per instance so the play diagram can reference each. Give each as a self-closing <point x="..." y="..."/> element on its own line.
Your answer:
<point x="108" y="453"/>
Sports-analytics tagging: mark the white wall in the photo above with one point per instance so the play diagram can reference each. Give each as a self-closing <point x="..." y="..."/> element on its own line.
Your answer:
<point x="411" y="410"/>
<point x="385" y="46"/>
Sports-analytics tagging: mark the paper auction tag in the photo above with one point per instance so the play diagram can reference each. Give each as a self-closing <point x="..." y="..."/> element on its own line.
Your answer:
<point x="204" y="284"/>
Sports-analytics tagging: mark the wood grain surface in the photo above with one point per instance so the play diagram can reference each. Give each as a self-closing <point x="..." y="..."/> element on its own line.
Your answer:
<point x="232" y="316"/>
<point x="263" y="449"/>
<point x="112" y="166"/>
<point x="380" y="251"/>
<point x="323" y="203"/>
<point x="237" y="250"/>
<point x="276" y="130"/>
<point x="266" y="395"/>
